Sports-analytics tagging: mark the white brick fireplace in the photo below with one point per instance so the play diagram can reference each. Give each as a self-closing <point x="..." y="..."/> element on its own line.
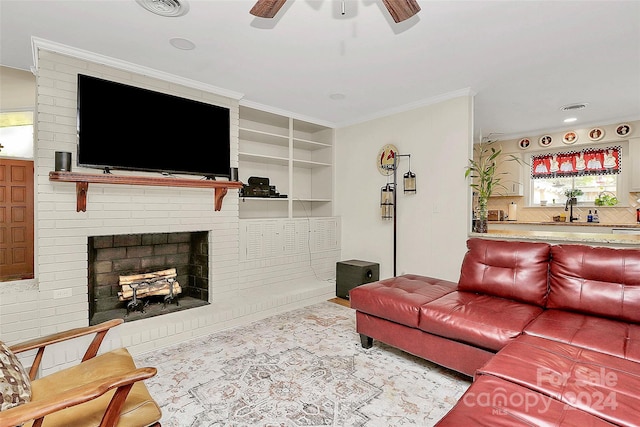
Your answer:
<point x="35" y="308"/>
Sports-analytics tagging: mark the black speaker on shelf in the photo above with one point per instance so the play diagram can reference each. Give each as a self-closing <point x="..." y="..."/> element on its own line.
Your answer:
<point x="62" y="161"/>
<point x="352" y="273"/>
<point x="234" y="174"/>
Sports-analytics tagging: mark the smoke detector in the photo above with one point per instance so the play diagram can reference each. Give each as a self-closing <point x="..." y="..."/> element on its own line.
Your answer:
<point x="169" y="8"/>
<point x="574" y="107"/>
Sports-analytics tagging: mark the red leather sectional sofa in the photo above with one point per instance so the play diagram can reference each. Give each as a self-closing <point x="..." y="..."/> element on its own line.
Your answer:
<point x="550" y="333"/>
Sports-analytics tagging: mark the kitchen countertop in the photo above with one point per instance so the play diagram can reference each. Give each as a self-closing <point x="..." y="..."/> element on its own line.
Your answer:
<point x="594" y="239"/>
<point x="577" y="223"/>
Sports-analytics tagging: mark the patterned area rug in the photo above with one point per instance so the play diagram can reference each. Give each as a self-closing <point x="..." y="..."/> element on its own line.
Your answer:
<point x="301" y="368"/>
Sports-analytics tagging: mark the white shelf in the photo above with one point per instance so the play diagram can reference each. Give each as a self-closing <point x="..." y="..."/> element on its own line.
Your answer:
<point x="263" y="199"/>
<point x="264" y="137"/>
<point x="296" y="156"/>
<point x="272" y="160"/>
<point x="309" y="145"/>
<point x="309" y="164"/>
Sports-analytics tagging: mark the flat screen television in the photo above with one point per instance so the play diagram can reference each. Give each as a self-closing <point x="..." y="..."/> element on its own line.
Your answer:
<point x="127" y="127"/>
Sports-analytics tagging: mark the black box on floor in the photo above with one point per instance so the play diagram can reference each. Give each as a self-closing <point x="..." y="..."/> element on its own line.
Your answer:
<point x="352" y="273"/>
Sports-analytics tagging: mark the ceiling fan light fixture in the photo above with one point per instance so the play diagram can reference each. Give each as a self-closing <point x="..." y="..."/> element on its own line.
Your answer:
<point x="168" y="8"/>
<point x="400" y="10"/>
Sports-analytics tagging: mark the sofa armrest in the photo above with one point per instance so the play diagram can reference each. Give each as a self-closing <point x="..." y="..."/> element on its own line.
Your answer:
<point x="36" y="410"/>
<point x="99" y="330"/>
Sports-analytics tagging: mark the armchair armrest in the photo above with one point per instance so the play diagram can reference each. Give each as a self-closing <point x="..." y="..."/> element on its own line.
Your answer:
<point x="99" y="330"/>
<point x="57" y="401"/>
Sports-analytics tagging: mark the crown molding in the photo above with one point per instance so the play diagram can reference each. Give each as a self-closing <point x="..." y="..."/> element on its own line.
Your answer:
<point x="411" y="106"/>
<point x="384" y="113"/>
<point x="42" y="44"/>
<point x="278" y="111"/>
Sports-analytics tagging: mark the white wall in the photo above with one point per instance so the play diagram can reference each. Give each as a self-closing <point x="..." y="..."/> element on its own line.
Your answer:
<point x="18" y="89"/>
<point x="431" y="234"/>
<point x="238" y="293"/>
<point x="432" y="224"/>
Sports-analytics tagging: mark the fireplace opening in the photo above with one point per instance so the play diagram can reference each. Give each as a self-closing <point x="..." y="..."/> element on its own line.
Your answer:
<point x="113" y="259"/>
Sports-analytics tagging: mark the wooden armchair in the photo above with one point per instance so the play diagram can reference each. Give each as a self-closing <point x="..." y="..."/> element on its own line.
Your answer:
<point x="105" y="390"/>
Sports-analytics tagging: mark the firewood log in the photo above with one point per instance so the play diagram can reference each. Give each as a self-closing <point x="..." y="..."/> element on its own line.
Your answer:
<point x="156" y="288"/>
<point x="146" y="277"/>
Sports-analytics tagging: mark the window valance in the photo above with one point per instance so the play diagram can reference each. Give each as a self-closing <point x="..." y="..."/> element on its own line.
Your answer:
<point x="590" y="161"/>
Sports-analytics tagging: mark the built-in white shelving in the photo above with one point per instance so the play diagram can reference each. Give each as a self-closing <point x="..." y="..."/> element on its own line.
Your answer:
<point x="296" y="156"/>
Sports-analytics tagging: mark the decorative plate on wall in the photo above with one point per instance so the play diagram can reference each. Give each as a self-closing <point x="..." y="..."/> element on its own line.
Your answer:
<point x="570" y="137"/>
<point x="545" y="140"/>
<point x="596" y="134"/>
<point x="386" y="158"/>
<point x="623" y="129"/>
<point x="524" y="143"/>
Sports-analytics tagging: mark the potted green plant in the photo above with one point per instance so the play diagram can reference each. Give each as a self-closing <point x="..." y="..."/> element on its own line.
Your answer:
<point x="573" y="193"/>
<point x="485" y="178"/>
<point x="606" y="199"/>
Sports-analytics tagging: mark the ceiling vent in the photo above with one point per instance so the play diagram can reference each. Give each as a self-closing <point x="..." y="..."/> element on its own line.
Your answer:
<point x="170" y="8"/>
<point x="574" y="107"/>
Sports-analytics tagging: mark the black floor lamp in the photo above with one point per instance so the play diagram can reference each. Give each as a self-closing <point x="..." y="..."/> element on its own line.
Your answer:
<point x="389" y="199"/>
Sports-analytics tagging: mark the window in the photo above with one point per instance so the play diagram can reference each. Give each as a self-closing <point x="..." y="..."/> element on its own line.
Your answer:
<point x="16" y="134"/>
<point x="594" y="171"/>
<point x="553" y="189"/>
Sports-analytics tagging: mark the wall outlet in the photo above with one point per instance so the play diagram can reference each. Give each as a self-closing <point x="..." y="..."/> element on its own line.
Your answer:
<point x="62" y="293"/>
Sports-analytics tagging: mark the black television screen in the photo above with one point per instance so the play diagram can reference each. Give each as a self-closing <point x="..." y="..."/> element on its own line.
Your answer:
<point x="126" y="127"/>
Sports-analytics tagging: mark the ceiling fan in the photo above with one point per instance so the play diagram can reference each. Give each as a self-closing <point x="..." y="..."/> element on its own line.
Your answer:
<point x="400" y="10"/>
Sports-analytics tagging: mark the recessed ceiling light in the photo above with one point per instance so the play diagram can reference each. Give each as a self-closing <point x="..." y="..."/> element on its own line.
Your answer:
<point x="180" y="43"/>
<point x="169" y="8"/>
<point x="337" y="96"/>
<point x="570" y="120"/>
<point x="574" y="107"/>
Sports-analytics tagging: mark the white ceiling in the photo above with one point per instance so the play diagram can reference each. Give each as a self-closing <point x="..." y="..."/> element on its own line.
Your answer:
<point x="522" y="59"/>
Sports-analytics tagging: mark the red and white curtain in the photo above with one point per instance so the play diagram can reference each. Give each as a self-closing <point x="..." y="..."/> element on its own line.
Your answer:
<point x="590" y="161"/>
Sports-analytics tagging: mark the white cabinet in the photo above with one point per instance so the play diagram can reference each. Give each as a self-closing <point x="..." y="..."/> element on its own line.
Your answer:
<point x="295" y="155"/>
<point x="511" y="174"/>
<point x="271" y="238"/>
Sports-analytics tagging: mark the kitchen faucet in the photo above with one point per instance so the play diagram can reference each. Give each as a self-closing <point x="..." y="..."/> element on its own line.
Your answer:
<point x="570" y="203"/>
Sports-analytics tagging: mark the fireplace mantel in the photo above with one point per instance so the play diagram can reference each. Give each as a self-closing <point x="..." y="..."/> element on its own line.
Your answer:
<point x="82" y="181"/>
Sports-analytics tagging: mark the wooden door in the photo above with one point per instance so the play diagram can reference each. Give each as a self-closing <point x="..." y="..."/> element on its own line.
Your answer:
<point x="16" y="219"/>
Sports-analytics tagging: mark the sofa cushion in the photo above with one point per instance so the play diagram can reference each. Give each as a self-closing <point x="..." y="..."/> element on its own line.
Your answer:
<point x="399" y="298"/>
<point x="15" y="385"/>
<point x="514" y="270"/>
<point x="608" y="336"/>
<point x="495" y="402"/>
<point x="596" y="280"/>
<point x="600" y="384"/>
<point x="482" y="320"/>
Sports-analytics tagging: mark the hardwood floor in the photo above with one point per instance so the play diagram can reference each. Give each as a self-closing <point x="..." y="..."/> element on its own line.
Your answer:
<point x="341" y="301"/>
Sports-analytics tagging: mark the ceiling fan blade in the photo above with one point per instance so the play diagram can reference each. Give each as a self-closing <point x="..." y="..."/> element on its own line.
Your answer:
<point x="266" y="8"/>
<point x="401" y="10"/>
